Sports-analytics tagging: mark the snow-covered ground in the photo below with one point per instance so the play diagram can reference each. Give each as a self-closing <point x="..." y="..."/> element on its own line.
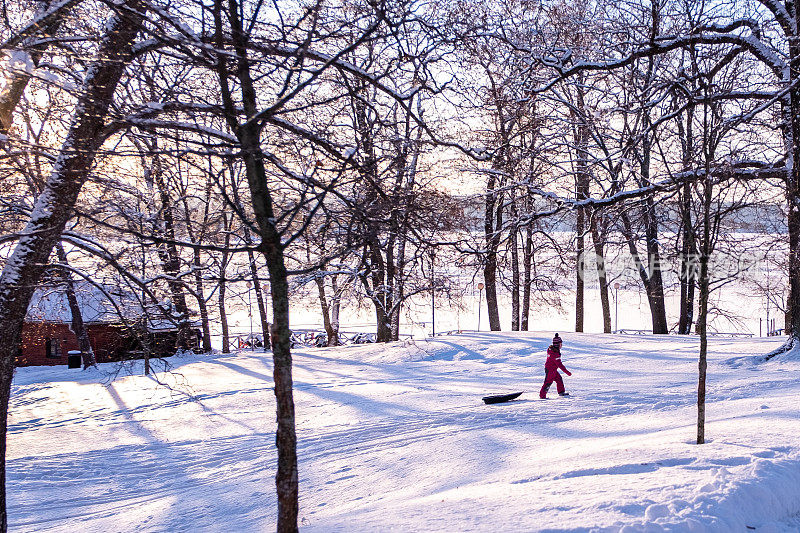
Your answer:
<point x="396" y="438"/>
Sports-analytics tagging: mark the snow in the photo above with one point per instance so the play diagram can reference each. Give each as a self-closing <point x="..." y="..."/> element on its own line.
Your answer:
<point x="50" y="304"/>
<point x="19" y="60"/>
<point x="395" y="438"/>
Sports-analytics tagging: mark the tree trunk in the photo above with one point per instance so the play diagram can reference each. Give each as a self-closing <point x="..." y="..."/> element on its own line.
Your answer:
<point x="492" y="226"/>
<point x="380" y="278"/>
<point x="787" y="317"/>
<point x="223" y="266"/>
<point x="493" y="223"/>
<point x="688" y="247"/>
<point x="598" y="238"/>
<point x="790" y="113"/>
<point x="378" y="290"/>
<point x="687" y="264"/>
<point x="379" y="293"/>
<point x="262" y="309"/>
<point x="654" y="290"/>
<point x="201" y="301"/>
<point x="655" y="296"/>
<point x="391" y="306"/>
<point x="147" y="346"/>
<point x="702" y="319"/>
<point x="16" y="82"/>
<point x="579" y="270"/>
<point x="54" y="206"/>
<point x="515" y="274"/>
<point x="384" y="325"/>
<point x="658" y="309"/>
<point x="652" y="269"/>
<point x="168" y="251"/>
<point x="326" y="312"/>
<point x="398" y="286"/>
<point x="582" y="185"/>
<point x="78" y="327"/>
<point x="223" y="314"/>
<point x="702" y="327"/>
<point x="394" y="319"/>
<point x="793" y="189"/>
<point x="490" y="280"/>
<point x="202" y="305"/>
<point x="286" y="478"/>
<point x="334" y="306"/>
<point x="527" y="280"/>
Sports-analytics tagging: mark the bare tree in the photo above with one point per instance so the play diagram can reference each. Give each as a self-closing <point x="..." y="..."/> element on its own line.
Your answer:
<point x="59" y="194"/>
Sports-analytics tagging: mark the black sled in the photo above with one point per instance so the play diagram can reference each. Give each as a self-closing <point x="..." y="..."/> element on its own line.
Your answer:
<point x="500" y="398"/>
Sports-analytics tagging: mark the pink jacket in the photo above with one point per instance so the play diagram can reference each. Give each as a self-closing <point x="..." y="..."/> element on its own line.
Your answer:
<point x="554" y="361"/>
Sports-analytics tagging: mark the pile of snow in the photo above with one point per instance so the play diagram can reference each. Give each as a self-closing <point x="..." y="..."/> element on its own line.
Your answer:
<point x="781" y="350"/>
<point x="767" y="490"/>
<point x="395" y="437"/>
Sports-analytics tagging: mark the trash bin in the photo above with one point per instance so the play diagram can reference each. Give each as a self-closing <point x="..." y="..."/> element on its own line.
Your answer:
<point x="74" y="359"/>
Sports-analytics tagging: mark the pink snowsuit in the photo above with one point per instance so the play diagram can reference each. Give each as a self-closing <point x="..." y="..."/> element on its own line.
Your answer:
<point x="551" y="372"/>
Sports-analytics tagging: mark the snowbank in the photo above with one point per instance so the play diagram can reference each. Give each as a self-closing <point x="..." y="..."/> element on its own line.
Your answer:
<point x="765" y="497"/>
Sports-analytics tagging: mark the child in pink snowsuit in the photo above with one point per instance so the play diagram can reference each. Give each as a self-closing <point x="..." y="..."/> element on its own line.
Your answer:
<point x="551" y="369"/>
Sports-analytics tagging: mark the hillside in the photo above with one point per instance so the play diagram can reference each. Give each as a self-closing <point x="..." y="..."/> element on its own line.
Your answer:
<point x="396" y="437"/>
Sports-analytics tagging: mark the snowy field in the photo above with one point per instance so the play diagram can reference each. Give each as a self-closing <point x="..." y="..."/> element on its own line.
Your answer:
<point x="396" y="438"/>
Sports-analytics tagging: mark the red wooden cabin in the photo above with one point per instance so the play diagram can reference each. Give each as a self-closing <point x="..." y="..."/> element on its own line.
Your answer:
<point x="47" y="336"/>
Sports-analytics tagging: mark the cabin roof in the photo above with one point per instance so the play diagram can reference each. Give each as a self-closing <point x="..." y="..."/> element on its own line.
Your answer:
<point x="98" y="304"/>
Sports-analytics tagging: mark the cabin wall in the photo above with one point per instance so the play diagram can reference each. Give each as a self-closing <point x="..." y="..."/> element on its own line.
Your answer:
<point x="49" y="344"/>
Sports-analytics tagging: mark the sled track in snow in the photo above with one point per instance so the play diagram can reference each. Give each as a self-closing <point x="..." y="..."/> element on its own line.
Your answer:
<point x="524" y="415"/>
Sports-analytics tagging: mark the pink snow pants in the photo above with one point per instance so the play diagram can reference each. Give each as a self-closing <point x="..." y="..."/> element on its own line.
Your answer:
<point x="549" y="378"/>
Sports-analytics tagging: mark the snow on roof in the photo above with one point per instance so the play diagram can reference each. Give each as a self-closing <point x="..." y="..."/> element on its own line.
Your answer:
<point x="50" y="304"/>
